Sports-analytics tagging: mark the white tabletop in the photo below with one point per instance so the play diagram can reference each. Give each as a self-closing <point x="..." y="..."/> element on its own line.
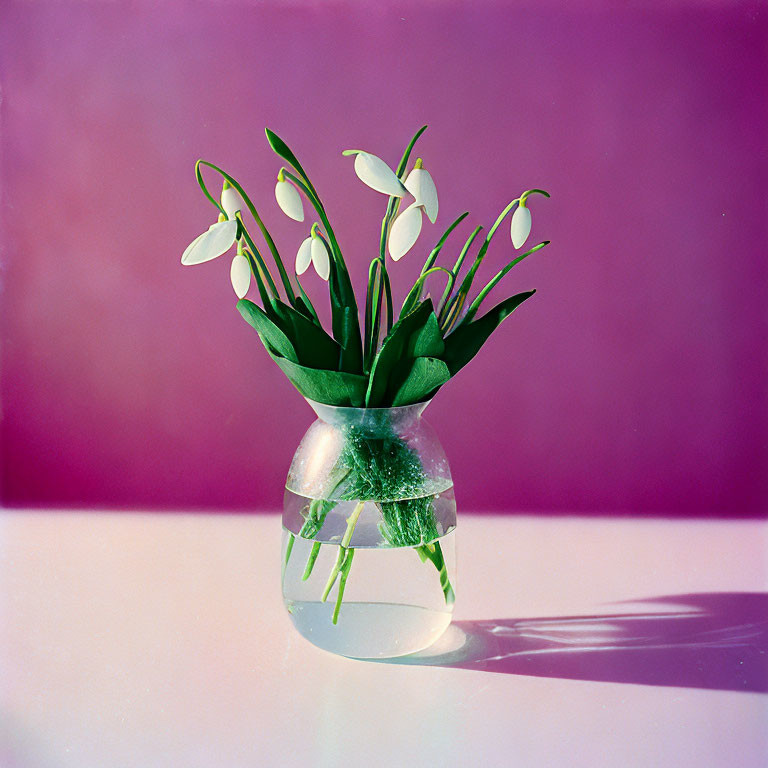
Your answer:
<point x="161" y="640"/>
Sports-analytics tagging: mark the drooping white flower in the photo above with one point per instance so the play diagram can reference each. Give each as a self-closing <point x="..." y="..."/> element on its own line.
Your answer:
<point x="521" y="225"/>
<point x="420" y="184"/>
<point x="289" y="200"/>
<point x="374" y="172"/>
<point x="405" y="231"/>
<point x="320" y="258"/>
<point x="231" y="201"/>
<point x="240" y="275"/>
<point x="313" y="250"/>
<point x="304" y="256"/>
<point x="219" y="238"/>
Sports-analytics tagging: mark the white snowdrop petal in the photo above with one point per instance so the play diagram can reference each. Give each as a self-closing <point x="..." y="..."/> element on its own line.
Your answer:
<point x="289" y="200"/>
<point x="420" y="184"/>
<point x="231" y="202"/>
<point x="304" y="256"/>
<point x="374" y="172"/>
<point x="240" y="275"/>
<point x="521" y="225"/>
<point x="190" y="247"/>
<point x="405" y="231"/>
<point x="218" y="239"/>
<point x="320" y="258"/>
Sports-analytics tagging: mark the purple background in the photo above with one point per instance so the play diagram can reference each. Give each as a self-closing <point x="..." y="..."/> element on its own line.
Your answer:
<point x="635" y="381"/>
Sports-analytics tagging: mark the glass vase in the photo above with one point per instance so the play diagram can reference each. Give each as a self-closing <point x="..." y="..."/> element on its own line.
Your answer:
<point x="368" y="554"/>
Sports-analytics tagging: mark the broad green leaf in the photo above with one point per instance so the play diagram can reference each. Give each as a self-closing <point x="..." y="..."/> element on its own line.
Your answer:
<point x="465" y="342"/>
<point x="427" y="341"/>
<point x="314" y="347"/>
<point x="416" y="380"/>
<point x="394" y="348"/>
<point x="329" y="387"/>
<point x="344" y="321"/>
<point x="271" y="336"/>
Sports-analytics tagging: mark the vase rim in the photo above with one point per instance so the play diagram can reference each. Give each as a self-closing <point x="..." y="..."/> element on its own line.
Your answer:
<point x="359" y="408"/>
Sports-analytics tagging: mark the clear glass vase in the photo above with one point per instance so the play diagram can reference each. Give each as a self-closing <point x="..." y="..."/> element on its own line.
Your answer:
<point x="369" y="561"/>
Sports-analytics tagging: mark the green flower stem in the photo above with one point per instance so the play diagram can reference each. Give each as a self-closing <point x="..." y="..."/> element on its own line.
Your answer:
<point x="259" y="259"/>
<point x="252" y="208"/>
<point x="351" y="523"/>
<point x="340" y="555"/>
<point x="441" y="242"/>
<point x="311" y="561"/>
<point x="289" y="548"/>
<point x="457" y="268"/>
<point x="372" y="312"/>
<point x="342" y="584"/>
<point x="259" y="276"/>
<point x="412" y="299"/>
<point x="464" y="288"/>
<point x="472" y="311"/>
<point x="434" y="553"/>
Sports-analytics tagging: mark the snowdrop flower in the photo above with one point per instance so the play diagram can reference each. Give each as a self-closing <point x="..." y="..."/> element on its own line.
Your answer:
<point x="521" y="224"/>
<point x="314" y="250"/>
<point x="419" y="183"/>
<point x="288" y="198"/>
<point x="231" y="201"/>
<point x="220" y="236"/>
<point x="240" y="272"/>
<point x="218" y="239"/>
<point x="374" y="172"/>
<point x="405" y="231"/>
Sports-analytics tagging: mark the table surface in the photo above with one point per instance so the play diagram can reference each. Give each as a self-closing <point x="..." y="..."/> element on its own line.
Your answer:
<point x="161" y="640"/>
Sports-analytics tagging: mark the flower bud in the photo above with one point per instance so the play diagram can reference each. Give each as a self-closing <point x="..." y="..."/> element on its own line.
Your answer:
<point x="521" y="225"/>
<point x="289" y="200"/>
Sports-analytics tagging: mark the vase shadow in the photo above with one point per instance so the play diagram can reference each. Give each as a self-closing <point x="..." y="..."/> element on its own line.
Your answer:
<point x="716" y="640"/>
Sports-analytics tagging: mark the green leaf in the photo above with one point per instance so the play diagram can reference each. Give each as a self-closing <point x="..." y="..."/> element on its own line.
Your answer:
<point x="330" y="387"/>
<point x="427" y="341"/>
<point x="314" y="347"/>
<point x="271" y="336"/>
<point x="416" y="380"/>
<point x="344" y="321"/>
<point x="398" y="345"/>
<point x="465" y="342"/>
<point x="283" y="150"/>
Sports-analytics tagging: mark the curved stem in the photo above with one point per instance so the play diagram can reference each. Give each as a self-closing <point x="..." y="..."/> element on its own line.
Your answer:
<point x="436" y="250"/>
<point x="472" y="311"/>
<point x="257" y="255"/>
<point x="457" y="267"/>
<point x="252" y="208"/>
<point x="415" y="293"/>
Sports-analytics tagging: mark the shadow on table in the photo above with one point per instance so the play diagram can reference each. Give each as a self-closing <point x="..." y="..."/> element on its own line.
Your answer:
<point x="716" y="641"/>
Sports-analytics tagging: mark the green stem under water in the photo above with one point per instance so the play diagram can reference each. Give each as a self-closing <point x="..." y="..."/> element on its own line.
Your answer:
<point x="434" y="553"/>
<point x="343" y="550"/>
<point x="311" y="561"/>
<point x="342" y="583"/>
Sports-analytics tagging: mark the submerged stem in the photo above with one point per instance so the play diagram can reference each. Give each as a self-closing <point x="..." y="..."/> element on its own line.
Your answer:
<point x="342" y="584"/>
<point x="311" y="561"/>
<point x="340" y="558"/>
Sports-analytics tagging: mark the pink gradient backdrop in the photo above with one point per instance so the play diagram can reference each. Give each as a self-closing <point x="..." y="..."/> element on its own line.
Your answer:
<point x="635" y="381"/>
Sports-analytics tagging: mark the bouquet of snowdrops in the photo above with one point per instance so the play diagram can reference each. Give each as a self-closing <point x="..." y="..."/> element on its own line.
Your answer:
<point x="397" y="358"/>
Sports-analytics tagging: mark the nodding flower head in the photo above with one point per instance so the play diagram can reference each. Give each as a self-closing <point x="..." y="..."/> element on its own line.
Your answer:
<point x="288" y="198"/>
<point x="420" y="184"/>
<point x="374" y="172"/>
<point x="405" y="231"/>
<point x="521" y="224"/>
<point x="313" y="250"/>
